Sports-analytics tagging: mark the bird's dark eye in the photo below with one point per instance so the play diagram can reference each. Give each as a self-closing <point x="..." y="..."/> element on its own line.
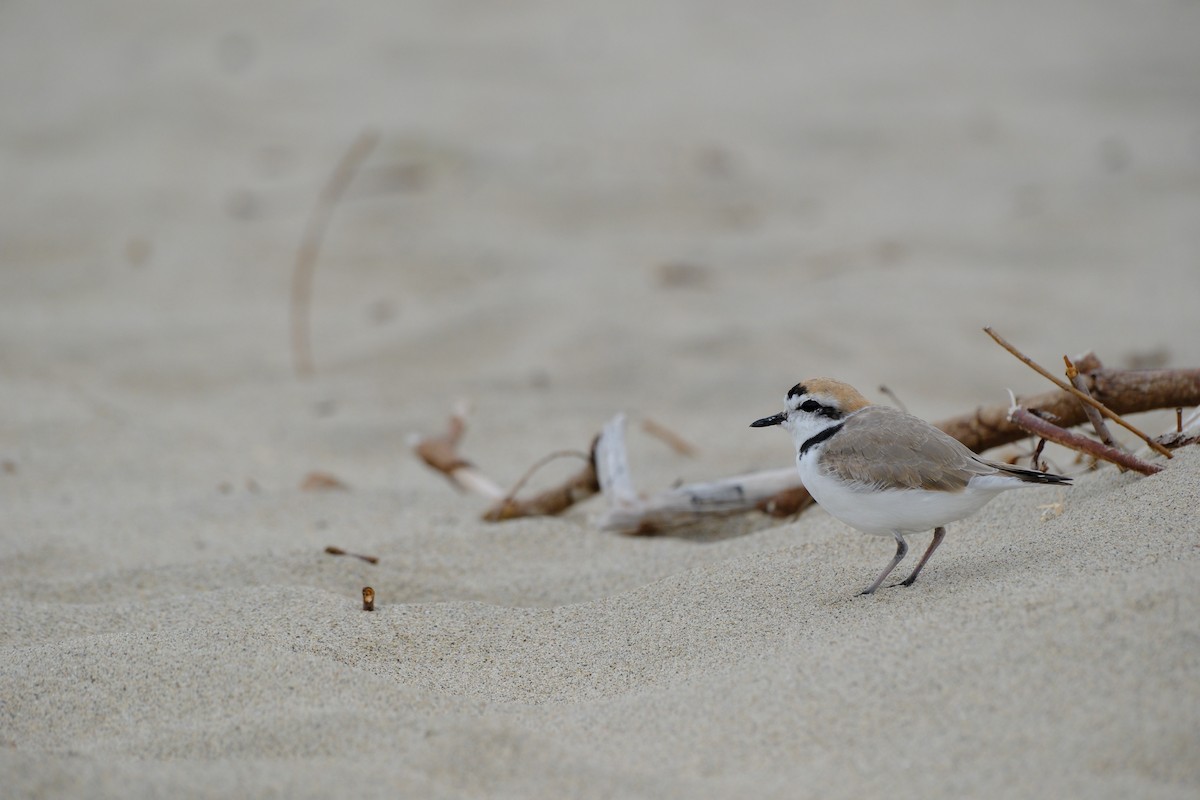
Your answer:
<point x="810" y="405"/>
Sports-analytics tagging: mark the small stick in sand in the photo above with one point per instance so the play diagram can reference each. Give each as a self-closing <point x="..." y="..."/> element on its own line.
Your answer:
<point x="1086" y="398"/>
<point x="310" y="246"/>
<point x="368" y="599"/>
<point x="1186" y="431"/>
<point x="1047" y="430"/>
<point x="337" y="551"/>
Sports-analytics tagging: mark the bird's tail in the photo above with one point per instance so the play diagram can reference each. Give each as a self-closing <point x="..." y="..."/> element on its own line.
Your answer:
<point x="1033" y="476"/>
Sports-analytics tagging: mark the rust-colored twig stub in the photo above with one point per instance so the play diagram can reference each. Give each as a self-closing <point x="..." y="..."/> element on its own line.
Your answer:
<point x="1047" y="430"/>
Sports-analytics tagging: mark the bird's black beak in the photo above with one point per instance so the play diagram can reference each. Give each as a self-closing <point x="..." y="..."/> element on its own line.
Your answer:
<point x="776" y="419"/>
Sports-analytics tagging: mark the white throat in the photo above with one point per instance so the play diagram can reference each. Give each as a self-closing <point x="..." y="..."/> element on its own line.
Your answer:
<point x="804" y="427"/>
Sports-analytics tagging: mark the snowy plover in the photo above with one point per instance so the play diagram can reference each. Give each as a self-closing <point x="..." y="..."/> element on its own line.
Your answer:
<point x="885" y="472"/>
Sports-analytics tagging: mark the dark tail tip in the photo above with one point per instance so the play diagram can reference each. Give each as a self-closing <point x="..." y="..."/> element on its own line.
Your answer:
<point x="1033" y="476"/>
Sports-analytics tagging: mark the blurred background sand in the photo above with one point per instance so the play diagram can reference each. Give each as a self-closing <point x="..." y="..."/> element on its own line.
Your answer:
<point x="676" y="210"/>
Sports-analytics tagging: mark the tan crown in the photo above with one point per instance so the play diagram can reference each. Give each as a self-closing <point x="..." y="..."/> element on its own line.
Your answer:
<point x="834" y="393"/>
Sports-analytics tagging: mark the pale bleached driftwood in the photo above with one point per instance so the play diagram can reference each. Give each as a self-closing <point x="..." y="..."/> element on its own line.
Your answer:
<point x="629" y="513"/>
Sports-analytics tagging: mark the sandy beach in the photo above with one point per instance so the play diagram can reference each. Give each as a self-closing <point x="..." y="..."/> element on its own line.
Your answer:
<point x="673" y="210"/>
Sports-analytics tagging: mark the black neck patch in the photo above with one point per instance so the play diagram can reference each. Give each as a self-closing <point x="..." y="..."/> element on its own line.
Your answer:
<point x="820" y="437"/>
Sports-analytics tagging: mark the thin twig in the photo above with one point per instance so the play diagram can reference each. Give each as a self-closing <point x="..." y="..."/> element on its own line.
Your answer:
<point x="322" y="482"/>
<point x="1093" y="415"/>
<point x="1068" y="388"/>
<point x="541" y="462"/>
<point x="673" y="439"/>
<point x="337" y="551"/>
<point x="1047" y="430"/>
<point x="887" y="392"/>
<point x="552" y="501"/>
<point x="1037" y="454"/>
<point x="310" y="246"/>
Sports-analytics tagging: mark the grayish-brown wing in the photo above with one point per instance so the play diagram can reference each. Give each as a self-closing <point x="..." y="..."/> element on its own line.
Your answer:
<point x="882" y="446"/>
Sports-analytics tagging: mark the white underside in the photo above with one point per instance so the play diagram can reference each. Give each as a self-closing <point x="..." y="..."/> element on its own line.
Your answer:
<point x="885" y="512"/>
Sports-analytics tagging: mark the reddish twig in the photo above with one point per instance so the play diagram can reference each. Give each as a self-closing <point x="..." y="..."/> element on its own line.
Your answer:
<point x="1047" y="430"/>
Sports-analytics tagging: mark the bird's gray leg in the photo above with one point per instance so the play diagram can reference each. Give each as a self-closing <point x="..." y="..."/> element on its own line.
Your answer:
<point x="901" y="552"/>
<point x="938" y="534"/>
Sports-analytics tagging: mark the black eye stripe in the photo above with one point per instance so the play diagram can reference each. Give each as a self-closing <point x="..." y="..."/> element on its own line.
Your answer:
<point x="813" y="407"/>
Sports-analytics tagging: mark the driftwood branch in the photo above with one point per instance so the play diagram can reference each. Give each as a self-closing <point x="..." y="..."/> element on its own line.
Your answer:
<point x="1051" y="432"/>
<point x="606" y="468"/>
<point x="1082" y="396"/>
<point x="776" y="490"/>
<point x="1121" y="391"/>
<point x="441" y="454"/>
<point x="779" y="492"/>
